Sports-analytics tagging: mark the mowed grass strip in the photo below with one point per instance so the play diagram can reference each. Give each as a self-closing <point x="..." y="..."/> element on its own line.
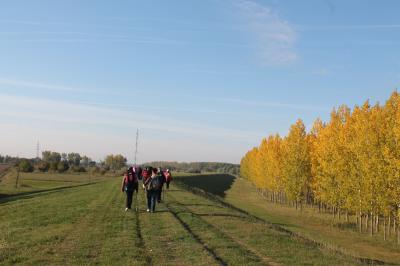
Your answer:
<point x="259" y="238"/>
<point x="166" y="241"/>
<point x="78" y="226"/>
<point x="224" y="246"/>
<point x="36" y="182"/>
<point x="30" y="227"/>
<point x="87" y="225"/>
<point x="312" y="225"/>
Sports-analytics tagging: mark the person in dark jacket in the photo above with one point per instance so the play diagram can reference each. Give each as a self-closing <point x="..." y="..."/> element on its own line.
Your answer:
<point x="129" y="186"/>
<point x="161" y="177"/>
<point x="152" y="185"/>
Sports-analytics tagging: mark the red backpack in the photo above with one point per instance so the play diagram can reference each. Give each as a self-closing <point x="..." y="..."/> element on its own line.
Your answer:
<point x="168" y="176"/>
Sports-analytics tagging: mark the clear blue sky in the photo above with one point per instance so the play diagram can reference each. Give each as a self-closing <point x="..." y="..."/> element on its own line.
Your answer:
<point x="202" y="80"/>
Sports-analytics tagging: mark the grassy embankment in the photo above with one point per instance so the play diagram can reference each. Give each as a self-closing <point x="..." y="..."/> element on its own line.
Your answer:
<point x="84" y="223"/>
<point x="310" y="224"/>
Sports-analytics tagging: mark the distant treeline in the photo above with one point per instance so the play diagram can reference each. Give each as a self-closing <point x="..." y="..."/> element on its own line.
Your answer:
<point x="198" y="167"/>
<point x="62" y="162"/>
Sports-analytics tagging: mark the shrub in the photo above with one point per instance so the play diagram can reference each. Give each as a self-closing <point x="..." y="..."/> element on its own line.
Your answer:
<point x="25" y="166"/>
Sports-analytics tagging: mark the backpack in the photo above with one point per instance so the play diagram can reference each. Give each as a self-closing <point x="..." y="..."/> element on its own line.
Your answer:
<point x="168" y="176"/>
<point x="131" y="181"/>
<point x="155" y="183"/>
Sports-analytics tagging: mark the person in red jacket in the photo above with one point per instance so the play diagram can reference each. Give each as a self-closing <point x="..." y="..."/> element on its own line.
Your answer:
<point x="146" y="173"/>
<point x="129" y="186"/>
<point x="168" y="177"/>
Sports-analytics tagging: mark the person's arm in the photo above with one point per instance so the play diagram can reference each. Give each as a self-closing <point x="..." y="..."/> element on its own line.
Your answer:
<point x="146" y="181"/>
<point x="123" y="184"/>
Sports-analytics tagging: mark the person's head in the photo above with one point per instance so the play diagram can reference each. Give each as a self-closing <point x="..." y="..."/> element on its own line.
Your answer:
<point x="155" y="171"/>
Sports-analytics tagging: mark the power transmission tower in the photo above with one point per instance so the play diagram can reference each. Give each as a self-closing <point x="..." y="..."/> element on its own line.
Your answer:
<point x="37" y="150"/>
<point x="136" y="147"/>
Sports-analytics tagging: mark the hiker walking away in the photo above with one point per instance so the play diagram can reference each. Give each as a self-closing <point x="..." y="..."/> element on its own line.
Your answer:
<point x="129" y="186"/>
<point x="138" y="171"/>
<point x="152" y="185"/>
<point x="168" y="177"/>
<point x="146" y="173"/>
<point x="161" y="177"/>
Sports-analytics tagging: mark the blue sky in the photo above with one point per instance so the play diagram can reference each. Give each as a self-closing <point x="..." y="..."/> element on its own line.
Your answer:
<point x="202" y="80"/>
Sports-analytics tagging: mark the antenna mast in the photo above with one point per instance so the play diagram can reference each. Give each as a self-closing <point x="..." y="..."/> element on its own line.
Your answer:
<point x="136" y="147"/>
<point x="37" y="150"/>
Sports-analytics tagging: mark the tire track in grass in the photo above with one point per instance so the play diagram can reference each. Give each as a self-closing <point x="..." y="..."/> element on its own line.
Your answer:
<point x="224" y="234"/>
<point x="210" y="251"/>
<point x="169" y="243"/>
<point x="124" y="244"/>
<point x="213" y="198"/>
<point x="139" y="241"/>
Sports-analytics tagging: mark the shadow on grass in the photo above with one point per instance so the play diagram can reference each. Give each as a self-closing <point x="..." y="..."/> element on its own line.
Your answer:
<point x="199" y="205"/>
<point x="216" y="184"/>
<point x="352" y="226"/>
<point x="30" y="194"/>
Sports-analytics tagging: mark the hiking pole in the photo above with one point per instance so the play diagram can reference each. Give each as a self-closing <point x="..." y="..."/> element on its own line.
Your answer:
<point x="137" y="200"/>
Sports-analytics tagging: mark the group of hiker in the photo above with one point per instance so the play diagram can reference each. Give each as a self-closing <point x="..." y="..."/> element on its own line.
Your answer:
<point x="153" y="180"/>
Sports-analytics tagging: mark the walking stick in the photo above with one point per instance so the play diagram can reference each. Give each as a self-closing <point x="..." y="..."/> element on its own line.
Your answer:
<point x="137" y="201"/>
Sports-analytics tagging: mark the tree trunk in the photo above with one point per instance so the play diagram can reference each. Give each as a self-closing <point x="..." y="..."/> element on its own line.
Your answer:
<point x="389" y="224"/>
<point x="398" y="236"/>
<point x="347" y="216"/>
<point x="366" y="222"/>
<point x="372" y="225"/>
<point x="377" y="223"/>
<point x="361" y="222"/>
<point x="384" y="228"/>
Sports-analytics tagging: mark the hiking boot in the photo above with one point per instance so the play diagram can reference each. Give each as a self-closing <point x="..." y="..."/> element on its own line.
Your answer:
<point x="148" y="210"/>
<point x="126" y="209"/>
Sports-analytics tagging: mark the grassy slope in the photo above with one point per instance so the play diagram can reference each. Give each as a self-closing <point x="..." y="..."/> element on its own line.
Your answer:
<point x="309" y="223"/>
<point x="87" y="225"/>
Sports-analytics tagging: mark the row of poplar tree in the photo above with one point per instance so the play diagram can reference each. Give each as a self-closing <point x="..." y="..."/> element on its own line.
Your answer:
<point x="349" y="165"/>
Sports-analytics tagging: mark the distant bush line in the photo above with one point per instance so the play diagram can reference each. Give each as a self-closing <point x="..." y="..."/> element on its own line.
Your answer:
<point x="67" y="162"/>
<point x="198" y="167"/>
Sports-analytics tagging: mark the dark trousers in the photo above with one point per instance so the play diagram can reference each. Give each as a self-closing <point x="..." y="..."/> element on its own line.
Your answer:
<point x="151" y="200"/>
<point x="159" y="195"/>
<point x="129" y="195"/>
<point x="167" y="184"/>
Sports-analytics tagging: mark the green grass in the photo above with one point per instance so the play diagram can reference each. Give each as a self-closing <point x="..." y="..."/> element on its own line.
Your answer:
<point x="85" y="224"/>
<point x="35" y="182"/>
<point x="309" y="224"/>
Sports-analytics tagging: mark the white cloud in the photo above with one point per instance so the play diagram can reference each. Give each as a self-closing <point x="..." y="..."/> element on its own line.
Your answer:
<point x="275" y="36"/>
<point x="270" y="104"/>
<point x="40" y="85"/>
<point x="348" y="27"/>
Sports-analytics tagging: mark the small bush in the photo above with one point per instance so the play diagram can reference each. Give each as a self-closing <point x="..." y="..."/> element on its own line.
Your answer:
<point x="62" y="166"/>
<point x="43" y="166"/>
<point x="25" y="166"/>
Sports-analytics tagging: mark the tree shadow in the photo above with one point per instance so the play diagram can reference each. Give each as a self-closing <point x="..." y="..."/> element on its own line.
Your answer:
<point x="216" y="184"/>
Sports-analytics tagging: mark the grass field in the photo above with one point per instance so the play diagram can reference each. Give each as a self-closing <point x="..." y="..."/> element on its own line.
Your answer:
<point x="308" y="224"/>
<point x="85" y="224"/>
